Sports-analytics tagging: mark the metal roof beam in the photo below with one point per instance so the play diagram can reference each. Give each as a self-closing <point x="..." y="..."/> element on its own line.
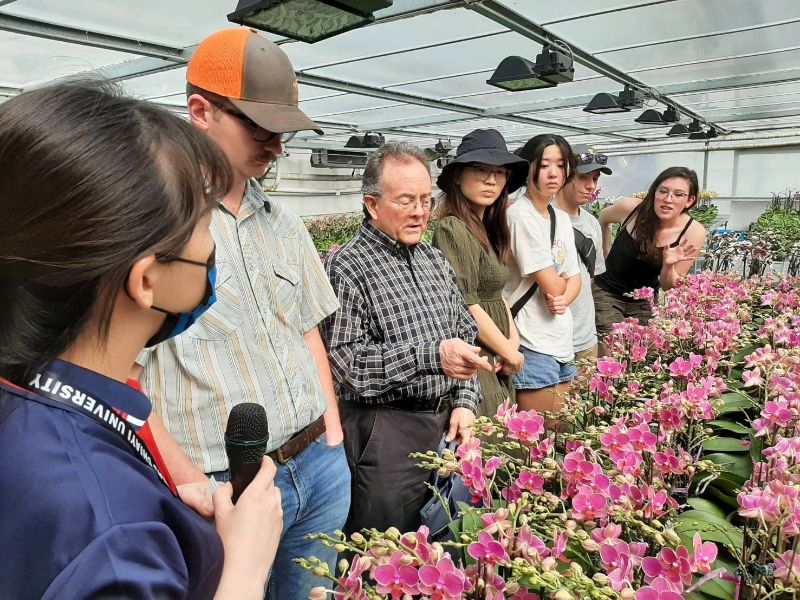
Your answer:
<point x="73" y="35"/>
<point x="364" y="90"/>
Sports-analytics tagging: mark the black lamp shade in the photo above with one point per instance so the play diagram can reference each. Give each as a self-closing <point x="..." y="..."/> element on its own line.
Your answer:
<point x="650" y="117"/>
<point x="695" y="127"/>
<point x="605" y="103"/>
<point x="517" y="74"/>
<point x="711" y="133"/>
<point x="697" y="135"/>
<point x="678" y="130"/>
<point x="306" y="20"/>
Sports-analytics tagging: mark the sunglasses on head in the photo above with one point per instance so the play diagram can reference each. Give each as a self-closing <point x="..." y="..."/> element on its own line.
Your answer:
<point x="587" y="158"/>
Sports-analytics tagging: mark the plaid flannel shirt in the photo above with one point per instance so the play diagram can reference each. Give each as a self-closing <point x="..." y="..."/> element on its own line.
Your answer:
<point x="397" y="304"/>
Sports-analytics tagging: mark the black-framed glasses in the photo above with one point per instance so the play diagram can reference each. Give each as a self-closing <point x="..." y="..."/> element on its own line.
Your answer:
<point x="587" y="158"/>
<point x="484" y="172"/>
<point x="258" y="133"/>
<point x="208" y="264"/>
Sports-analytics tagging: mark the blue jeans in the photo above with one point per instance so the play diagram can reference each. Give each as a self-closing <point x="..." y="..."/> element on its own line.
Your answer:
<point x="315" y="496"/>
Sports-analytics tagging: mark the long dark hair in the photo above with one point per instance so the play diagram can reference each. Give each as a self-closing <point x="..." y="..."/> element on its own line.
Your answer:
<point x="90" y="182"/>
<point x="534" y="148"/>
<point x="645" y="227"/>
<point x="491" y="232"/>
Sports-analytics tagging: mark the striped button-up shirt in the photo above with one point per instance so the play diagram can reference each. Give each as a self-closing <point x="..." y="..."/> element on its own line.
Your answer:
<point x="248" y="347"/>
<point x="397" y="304"/>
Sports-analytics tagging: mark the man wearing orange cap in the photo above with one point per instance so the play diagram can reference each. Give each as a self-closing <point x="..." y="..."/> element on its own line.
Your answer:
<point x="259" y="342"/>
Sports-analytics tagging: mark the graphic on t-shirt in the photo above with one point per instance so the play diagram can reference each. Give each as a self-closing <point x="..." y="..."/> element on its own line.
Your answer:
<point x="559" y="254"/>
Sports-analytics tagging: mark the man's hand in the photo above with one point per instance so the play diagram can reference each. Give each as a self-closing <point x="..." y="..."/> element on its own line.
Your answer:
<point x="556" y="304"/>
<point x="460" y="360"/>
<point x="685" y="251"/>
<point x="460" y="420"/>
<point x="196" y="495"/>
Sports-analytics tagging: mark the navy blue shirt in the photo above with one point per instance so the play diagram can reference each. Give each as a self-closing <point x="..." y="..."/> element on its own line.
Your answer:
<point x="81" y="516"/>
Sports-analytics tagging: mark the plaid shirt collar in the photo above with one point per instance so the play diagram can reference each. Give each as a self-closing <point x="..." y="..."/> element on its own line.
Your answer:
<point x="375" y="236"/>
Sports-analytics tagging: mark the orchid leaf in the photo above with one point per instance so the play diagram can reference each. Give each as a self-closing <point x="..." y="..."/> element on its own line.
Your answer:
<point x="729" y="426"/>
<point x="725" y="444"/>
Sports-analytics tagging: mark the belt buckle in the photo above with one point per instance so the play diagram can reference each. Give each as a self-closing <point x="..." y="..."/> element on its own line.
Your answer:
<point x="281" y="458"/>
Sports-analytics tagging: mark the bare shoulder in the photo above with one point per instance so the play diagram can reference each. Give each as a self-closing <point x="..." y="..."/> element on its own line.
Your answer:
<point x="697" y="233"/>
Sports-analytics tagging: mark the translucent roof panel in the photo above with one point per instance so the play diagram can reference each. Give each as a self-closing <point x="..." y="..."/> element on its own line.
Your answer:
<point x="26" y="61"/>
<point x="420" y="70"/>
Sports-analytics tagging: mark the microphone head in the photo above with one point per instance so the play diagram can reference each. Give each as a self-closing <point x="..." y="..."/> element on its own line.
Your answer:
<point x="247" y="430"/>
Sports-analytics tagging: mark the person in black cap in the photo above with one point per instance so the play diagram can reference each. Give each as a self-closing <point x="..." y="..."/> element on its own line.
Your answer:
<point x="473" y="234"/>
<point x="588" y="242"/>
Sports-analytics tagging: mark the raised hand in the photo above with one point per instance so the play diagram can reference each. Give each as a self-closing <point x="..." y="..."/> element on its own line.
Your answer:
<point x="684" y="251"/>
<point x="461" y="360"/>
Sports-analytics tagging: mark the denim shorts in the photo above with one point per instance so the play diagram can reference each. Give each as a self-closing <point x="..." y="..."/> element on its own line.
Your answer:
<point x="542" y="371"/>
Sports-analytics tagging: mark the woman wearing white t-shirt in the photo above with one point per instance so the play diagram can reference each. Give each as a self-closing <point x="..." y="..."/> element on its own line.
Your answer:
<point x="544" y="321"/>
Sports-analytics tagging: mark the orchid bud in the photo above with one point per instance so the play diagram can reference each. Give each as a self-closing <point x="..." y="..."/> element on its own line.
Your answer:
<point x="317" y="593"/>
<point x="343" y="565"/>
<point x="570" y="525"/>
<point x="339" y="547"/>
<point x="627" y="594"/>
<point x="380" y="551"/>
<point x="576" y="568"/>
<point x="562" y="595"/>
<point x="549" y="563"/>
<point x="659" y="539"/>
<point x="406" y="559"/>
<point x="318" y="571"/>
<point x="671" y="536"/>
<point x="512" y="588"/>
<point x="358" y="538"/>
<point x="393" y="533"/>
<point x="600" y="578"/>
<point x="590" y="546"/>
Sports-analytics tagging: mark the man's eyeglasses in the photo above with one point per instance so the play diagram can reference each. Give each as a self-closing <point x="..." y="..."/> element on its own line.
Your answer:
<point x="258" y="133"/>
<point x="587" y="158"/>
<point x="484" y="172"/>
<point x="663" y="192"/>
<point x="407" y="204"/>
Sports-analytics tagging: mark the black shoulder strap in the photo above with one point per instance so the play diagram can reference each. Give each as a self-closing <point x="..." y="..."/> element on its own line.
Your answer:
<point x="685" y="229"/>
<point x="630" y="214"/>
<point x="535" y="286"/>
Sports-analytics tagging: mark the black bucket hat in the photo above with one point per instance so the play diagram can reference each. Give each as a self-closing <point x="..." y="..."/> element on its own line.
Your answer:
<point x="486" y="146"/>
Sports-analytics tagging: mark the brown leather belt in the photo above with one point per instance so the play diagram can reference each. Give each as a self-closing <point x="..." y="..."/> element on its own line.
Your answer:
<point x="298" y="442"/>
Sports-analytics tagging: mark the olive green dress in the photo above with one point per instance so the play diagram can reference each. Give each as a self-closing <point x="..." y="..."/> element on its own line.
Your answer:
<point x="481" y="277"/>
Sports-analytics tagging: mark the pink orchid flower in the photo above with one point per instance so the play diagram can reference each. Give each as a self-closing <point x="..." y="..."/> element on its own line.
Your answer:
<point x="395" y="578"/>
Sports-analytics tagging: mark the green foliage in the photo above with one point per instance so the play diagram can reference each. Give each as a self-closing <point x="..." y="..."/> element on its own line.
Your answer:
<point x="704" y="215"/>
<point x="333" y="230"/>
<point x="782" y="221"/>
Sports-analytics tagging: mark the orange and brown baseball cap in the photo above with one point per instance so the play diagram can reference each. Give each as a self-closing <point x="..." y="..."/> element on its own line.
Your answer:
<point x="254" y="74"/>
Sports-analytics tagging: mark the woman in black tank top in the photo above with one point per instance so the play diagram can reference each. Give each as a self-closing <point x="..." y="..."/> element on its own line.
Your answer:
<point x="641" y="256"/>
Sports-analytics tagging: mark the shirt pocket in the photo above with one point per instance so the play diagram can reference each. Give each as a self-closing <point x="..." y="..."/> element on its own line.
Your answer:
<point x="225" y="316"/>
<point x="287" y="289"/>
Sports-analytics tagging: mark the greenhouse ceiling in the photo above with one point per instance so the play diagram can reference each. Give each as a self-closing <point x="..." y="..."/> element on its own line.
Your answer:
<point x="419" y="71"/>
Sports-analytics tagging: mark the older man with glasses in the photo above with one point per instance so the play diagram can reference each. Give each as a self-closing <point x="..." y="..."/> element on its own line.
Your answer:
<point x="401" y="346"/>
<point x="588" y="241"/>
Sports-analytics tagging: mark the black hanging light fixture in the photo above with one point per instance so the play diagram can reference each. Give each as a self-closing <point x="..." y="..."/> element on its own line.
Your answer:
<point x="671" y="115"/>
<point x="678" y="130"/>
<point x="306" y="20"/>
<point x="607" y="103"/>
<point x="517" y="74"/>
<point x="650" y="117"/>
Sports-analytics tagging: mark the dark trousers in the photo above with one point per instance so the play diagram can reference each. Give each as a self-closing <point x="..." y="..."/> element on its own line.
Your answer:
<point x="387" y="487"/>
<point x="610" y="308"/>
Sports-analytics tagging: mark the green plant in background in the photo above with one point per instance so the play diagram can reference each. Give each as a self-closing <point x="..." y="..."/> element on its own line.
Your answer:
<point x="330" y="232"/>
<point x="333" y="230"/>
<point x="782" y="218"/>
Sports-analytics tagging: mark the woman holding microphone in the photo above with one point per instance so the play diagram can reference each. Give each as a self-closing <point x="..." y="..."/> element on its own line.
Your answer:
<point x="104" y="249"/>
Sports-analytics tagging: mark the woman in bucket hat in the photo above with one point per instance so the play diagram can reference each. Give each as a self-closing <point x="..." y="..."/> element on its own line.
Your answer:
<point x="473" y="234"/>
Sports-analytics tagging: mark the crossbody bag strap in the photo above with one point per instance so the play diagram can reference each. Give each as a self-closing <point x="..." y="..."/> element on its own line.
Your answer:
<point x="535" y="286"/>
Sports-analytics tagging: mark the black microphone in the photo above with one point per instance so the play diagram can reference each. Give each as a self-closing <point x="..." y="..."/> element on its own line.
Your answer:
<point x="245" y="444"/>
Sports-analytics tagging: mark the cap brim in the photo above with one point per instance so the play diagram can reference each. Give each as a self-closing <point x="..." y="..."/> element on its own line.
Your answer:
<point x="278" y="118"/>
<point x="591" y="168"/>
